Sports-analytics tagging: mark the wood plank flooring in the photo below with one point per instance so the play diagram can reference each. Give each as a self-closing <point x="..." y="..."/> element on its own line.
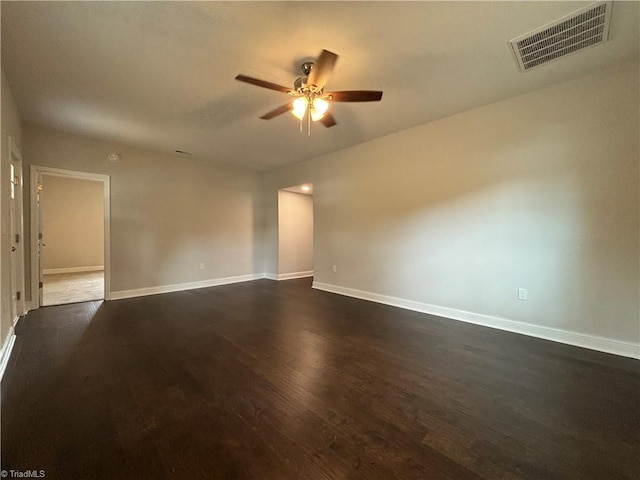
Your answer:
<point x="273" y="380"/>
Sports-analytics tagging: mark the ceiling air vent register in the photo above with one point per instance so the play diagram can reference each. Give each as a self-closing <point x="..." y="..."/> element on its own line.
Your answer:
<point x="587" y="27"/>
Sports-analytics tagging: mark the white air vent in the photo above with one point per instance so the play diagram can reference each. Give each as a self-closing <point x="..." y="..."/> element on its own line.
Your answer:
<point x="587" y="27"/>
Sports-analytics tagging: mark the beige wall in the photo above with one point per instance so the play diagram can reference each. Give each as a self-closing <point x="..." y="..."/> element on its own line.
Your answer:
<point x="168" y="214"/>
<point x="72" y="222"/>
<point x="10" y="127"/>
<point x="295" y="232"/>
<point x="539" y="191"/>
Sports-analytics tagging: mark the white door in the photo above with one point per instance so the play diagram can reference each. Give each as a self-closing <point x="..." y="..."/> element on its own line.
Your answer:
<point x="17" y="233"/>
<point x="40" y="244"/>
<point x="14" y="249"/>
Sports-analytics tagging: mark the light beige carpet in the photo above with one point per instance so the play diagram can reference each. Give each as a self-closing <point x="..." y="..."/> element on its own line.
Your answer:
<point x="59" y="288"/>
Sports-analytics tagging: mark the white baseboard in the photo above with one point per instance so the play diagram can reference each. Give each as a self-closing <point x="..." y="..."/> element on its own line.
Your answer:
<point x="288" y="276"/>
<point x="5" y="353"/>
<point x="603" y="344"/>
<point x="178" y="287"/>
<point x="94" y="268"/>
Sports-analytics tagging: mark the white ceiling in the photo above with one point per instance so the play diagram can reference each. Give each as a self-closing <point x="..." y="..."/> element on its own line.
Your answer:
<point x="161" y="74"/>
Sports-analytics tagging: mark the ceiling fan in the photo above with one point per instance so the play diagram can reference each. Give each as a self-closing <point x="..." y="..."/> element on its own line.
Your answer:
<point x="310" y="100"/>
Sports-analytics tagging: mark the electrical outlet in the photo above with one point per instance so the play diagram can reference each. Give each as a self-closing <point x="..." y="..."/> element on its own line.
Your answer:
<point x="334" y="268"/>
<point x="523" y="294"/>
<point x="202" y="266"/>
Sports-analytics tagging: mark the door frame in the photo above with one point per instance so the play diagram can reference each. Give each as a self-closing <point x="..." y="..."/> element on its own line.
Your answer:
<point x="17" y="279"/>
<point x="36" y="176"/>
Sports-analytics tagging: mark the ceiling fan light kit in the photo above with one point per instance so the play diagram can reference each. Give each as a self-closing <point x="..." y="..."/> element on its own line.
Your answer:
<point x="311" y="102"/>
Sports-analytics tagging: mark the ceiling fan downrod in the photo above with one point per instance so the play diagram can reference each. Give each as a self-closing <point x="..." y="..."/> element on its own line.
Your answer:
<point x="306" y="68"/>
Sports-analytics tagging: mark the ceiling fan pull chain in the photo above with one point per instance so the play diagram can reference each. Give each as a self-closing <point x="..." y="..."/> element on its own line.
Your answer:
<point x="309" y="120"/>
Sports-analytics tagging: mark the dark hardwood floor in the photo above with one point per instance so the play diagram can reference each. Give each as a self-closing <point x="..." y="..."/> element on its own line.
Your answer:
<point x="273" y="380"/>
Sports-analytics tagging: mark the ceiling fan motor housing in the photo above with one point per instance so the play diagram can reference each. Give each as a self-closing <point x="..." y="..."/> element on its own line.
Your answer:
<point x="300" y="84"/>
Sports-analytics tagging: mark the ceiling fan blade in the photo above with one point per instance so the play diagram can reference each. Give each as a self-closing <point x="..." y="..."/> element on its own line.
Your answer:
<point x="262" y="83"/>
<point x="328" y="120"/>
<point x="322" y="69"/>
<point x="278" y="111"/>
<point x="354" y="96"/>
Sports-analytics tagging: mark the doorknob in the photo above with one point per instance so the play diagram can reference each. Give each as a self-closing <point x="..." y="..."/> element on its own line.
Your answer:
<point x="13" y="249"/>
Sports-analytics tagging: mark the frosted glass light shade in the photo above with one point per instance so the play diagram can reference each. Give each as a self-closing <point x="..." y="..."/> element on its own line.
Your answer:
<point x="299" y="107"/>
<point x="315" y="115"/>
<point x="318" y="108"/>
<point x="320" y="105"/>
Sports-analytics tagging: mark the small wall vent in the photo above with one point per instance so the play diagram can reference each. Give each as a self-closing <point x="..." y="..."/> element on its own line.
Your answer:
<point x="584" y="28"/>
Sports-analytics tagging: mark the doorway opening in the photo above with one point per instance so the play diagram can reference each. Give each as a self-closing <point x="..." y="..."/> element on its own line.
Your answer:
<point x="71" y="237"/>
<point x="295" y="232"/>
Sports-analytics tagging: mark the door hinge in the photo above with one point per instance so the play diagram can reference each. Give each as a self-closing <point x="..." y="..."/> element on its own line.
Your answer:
<point x="40" y="236"/>
<point x="18" y="295"/>
<point x="39" y="284"/>
<point x="17" y="238"/>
